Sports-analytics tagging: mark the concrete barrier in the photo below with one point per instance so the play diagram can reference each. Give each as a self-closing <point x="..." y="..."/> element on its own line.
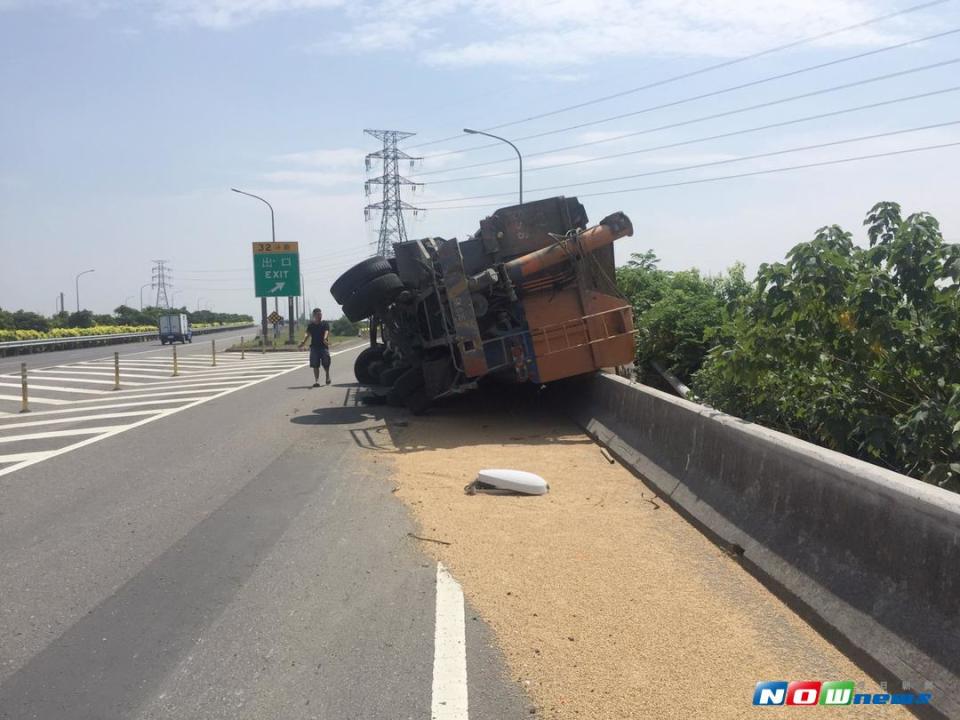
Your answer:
<point x="870" y="557"/>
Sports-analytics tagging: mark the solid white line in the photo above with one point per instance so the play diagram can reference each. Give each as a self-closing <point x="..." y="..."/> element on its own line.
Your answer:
<point x="94" y="408"/>
<point x="69" y="370"/>
<point x="92" y="381"/>
<point x="61" y="433"/>
<point x="165" y="413"/>
<point x="82" y="418"/>
<point x="28" y="457"/>
<point x="450" y="700"/>
<point x="56" y="389"/>
<point x="39" y="401"/>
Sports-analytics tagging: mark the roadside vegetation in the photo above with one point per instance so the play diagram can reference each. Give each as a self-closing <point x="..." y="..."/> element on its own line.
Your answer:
<point x="854" y="348"/>
<point x="26" y="325"/>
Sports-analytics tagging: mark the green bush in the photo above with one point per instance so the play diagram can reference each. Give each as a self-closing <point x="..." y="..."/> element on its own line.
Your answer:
<point x="852" y="348"/>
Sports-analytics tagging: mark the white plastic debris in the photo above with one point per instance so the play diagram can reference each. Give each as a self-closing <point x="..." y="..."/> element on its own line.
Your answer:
<point x="518" y="481"/>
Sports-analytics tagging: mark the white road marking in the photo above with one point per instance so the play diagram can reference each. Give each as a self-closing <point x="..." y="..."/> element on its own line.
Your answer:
<point x="56" y="389"/>
<point x="82" y="418"/>
<point x="92" y="408"/>
<point x="41" y="456"/>
<point x="30" y="457"/>
<point x="39" y="401"/>
<point x="92" y="381"/>
<point x="450" y="700"/>
<point x="59" y="433"/>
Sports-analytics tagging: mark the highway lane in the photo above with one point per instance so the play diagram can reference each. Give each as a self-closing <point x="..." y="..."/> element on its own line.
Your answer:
<point x="200" y="344"/>
<point x="228" y="562"/>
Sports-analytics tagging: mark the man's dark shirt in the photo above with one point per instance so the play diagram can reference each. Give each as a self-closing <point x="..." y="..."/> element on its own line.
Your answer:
<point x="317" y="331"/>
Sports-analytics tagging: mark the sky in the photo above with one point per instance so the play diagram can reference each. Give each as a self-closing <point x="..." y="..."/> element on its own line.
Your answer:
<point x="124" y="124"/>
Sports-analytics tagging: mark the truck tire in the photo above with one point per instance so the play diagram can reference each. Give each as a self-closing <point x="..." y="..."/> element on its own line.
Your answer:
<point x="418" y="402"/>
<point x="389" y="376"/>
<point x="409" y="382"/>
<point x="359" y="275"/>
<point x="361" y="366"/>
<point x="366" y="299"/>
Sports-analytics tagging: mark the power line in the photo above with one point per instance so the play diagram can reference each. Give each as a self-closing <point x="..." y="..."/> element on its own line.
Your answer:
<point x="714" y="116"/>
<point x="701" y="71"/>
<point x="712" y="93"/>
<point x="726" y="161"/>
<point x="744" y="131"/>
<point x="769" y="171"/>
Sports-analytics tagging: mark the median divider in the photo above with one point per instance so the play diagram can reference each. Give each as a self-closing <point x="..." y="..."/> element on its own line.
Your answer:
<point x="868" y="556"/>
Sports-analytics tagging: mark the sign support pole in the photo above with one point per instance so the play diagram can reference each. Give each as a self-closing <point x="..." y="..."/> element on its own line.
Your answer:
<point x="290" y="312"/>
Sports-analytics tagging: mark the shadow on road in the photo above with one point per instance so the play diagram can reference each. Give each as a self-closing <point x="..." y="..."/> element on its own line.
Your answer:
<point x="504" y="414"/>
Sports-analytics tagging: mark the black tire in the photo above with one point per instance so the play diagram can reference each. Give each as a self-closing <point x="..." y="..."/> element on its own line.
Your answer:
<point x="374" y="369"/>
<point x="394" y="399"/>
<point x="409" y="382"/>
<point x="418" y="402"/>
<point x="162" y="341"/>
<point x="361" y="366"/>
<point x="377" y="293"/>
<point x="359" y="275"/>
<point x="389" y="376"/>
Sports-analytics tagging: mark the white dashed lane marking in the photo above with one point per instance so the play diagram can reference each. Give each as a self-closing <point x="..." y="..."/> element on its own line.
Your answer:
<point x="449" y="698"/>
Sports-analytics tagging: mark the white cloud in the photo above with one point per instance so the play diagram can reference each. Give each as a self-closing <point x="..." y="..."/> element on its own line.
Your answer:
<point x="221" y="14"/>
<point x="317" y="179"/>
<point x="326" y="158"/>
<point x="571" y="32"/>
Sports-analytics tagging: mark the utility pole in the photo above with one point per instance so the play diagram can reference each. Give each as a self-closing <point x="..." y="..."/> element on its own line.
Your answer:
<point x="161" y="281"/>
<point x="391" y="207"/>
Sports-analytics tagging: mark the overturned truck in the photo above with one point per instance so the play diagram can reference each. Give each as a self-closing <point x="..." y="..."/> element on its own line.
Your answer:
<point x="531" y="297"/>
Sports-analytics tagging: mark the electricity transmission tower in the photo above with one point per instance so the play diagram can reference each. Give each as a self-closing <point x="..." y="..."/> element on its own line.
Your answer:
<point x="161" y="281"/>
<point x="391" y="207"/>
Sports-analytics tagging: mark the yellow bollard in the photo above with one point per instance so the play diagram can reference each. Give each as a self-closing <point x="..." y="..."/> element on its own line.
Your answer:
<point x="116" y="371"/>
<point x="243" y="352"/>
<point x="176" y="370"/>
<point x="24" y="404"/>
<point x="213" y="352"/>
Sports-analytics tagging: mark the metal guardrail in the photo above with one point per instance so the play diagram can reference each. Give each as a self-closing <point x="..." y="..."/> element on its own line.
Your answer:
<point x="16" y="347"/>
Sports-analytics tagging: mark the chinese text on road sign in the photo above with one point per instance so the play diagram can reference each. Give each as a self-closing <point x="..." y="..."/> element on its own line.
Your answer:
<point x="276" y="269"/>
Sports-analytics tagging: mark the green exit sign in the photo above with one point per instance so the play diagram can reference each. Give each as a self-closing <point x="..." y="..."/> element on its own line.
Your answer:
<point x="276" y="269"/>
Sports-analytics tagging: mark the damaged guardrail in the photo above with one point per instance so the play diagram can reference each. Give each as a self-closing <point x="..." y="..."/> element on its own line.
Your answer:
<point x="870" y="557"/>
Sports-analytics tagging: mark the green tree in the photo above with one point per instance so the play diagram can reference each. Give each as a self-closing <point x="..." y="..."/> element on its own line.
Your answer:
<point x="80" y="319"/>
<point x="853" y="348"/>
<point x="25" y="320"/>
<point x="342" y="326"/>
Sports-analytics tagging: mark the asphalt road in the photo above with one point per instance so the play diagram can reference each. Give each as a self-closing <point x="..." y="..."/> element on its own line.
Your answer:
<point x="200" y="344"/>
<point x="237" y="556"/>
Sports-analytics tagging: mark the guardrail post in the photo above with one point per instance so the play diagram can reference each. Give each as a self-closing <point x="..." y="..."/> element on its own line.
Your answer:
<point x="243" y="352"/>
<point x="116" y="371"/>
<point x="24" y="401"/>
<point x="213" y="352"/>
<point x="176" y="370"/>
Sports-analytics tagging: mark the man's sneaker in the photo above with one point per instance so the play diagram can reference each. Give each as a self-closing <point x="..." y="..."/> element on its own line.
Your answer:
<point x="328" y="381"/>
<point x="316" y="384"/>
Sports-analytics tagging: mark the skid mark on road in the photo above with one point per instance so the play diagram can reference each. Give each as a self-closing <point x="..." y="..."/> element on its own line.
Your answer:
<point x="450" y="701"/>
<point x="197" y="382"/>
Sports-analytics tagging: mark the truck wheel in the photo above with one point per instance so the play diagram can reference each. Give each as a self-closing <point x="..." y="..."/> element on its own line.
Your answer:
<point x="361" y="366"/>
<point x="389" y="376"/>
<point x="409" y="382"/>
<point x="418" y="402"/>
<point x="359" y="275"/>
<point x="375" y="294"/>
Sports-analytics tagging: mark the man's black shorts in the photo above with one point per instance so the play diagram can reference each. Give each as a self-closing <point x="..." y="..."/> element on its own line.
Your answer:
<point x="319" y="356"/>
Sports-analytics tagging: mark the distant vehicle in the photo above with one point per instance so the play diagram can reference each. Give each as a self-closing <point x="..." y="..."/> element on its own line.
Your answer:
<point x="175" y="328"/>
<point x="531" y="297"/>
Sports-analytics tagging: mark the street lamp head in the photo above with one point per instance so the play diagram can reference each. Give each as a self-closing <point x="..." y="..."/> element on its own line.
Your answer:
<point x="469" y="131"/>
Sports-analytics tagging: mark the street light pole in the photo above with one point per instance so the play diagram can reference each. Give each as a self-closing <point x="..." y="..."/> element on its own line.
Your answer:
<point x="273" y="238"/>
<point x="516" y="149"/>
<point x="149" y="284"/>
<point x="77" y="284"/>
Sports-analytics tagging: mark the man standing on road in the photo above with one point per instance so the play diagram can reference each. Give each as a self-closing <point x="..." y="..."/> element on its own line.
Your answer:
<point x="319" y="333"/>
